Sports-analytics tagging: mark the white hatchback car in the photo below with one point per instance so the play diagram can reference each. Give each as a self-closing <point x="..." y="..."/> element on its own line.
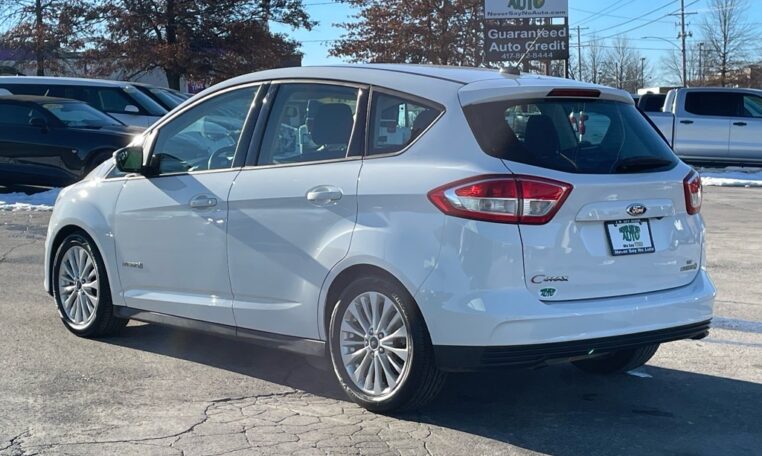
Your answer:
<point x="406" y="221"/>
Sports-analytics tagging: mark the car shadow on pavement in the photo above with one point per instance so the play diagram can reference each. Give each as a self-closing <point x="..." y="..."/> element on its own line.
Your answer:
<point x="555" y="410"/>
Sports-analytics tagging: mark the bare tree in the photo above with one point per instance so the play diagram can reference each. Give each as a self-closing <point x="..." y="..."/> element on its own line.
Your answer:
<point x="594" y="53"/>
<point x="727" y="33"/>
<point x="621" y="65"/>
<point x="672" y="65"/>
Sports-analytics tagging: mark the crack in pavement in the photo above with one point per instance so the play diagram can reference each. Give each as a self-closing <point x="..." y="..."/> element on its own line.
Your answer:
<point x="177" y="436"/>
<point x="4" y="255"/>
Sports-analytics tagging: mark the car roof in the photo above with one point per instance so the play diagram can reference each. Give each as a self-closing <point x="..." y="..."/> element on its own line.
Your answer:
<point x="38" y="99"/>
<point x="427" y="81"/>
<point x="54" y="80"/>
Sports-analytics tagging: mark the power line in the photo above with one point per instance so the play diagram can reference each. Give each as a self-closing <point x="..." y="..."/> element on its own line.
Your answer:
<point x="597" y="14"/>
<point x="643" y="25"/>
<point x="614" y="16"/>
<point x="633" y="19"/>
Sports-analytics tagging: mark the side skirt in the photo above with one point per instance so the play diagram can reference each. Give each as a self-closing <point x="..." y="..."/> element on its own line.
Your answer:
<point x="293" y="344"/>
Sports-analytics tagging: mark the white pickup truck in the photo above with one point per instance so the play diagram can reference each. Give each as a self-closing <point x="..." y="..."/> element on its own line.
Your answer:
<point x="718" y="125"/>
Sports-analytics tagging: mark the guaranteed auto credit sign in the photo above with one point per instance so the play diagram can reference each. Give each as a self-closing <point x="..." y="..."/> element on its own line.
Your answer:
<point x="525" y="9"/>
<point x="538" y="42"/>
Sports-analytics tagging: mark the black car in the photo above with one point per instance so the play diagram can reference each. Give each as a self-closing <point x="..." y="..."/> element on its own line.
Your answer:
<point x="55" y="141"/>
<point x="169" y="99"/>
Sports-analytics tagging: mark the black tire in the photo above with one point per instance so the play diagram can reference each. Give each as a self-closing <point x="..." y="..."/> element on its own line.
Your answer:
<point x="104" y="323"/>
<point x="420" y="382"/>
<point x="620" y="361"/>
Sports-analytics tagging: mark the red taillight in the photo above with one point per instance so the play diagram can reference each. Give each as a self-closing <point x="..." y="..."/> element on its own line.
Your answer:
<point x="693" y="193"/>
<point x="502" y="199"/>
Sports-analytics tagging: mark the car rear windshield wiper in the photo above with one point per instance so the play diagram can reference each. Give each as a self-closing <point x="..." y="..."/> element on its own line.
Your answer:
<point x="635" y="164"/>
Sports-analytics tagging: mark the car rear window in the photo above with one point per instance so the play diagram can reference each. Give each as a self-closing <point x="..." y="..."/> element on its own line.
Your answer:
<point x="572" y="135"/>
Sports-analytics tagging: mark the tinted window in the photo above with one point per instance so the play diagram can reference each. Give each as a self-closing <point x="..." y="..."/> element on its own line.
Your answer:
<point x="578" y="136"/>
<point x="721" y="104"/>
<point x="752" y="106"/>
<point x="205" y="136"/>
<point x="15" y="114"/>
<point x="80" y="115"/>
<point x="651" y="102"/>
<point x="26" y="89"/>
<point x="396" y="122"/>
<point x="309" y="122"/>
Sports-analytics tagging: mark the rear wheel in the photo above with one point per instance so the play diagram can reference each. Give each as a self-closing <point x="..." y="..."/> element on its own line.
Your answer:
<point x="620" y="361"/>
<point x="380" y="347"/>
<point x="81" y="289"/>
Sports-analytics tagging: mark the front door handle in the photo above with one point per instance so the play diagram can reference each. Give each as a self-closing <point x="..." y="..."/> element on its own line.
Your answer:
<point x="686" y="122"/>
<point x="739" y="124"/>
<point x="203" y="201"/>
<point x="324" y="195"/>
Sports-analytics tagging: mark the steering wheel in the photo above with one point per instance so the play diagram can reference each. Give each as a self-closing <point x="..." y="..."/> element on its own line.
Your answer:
<point x="221" y="158"/>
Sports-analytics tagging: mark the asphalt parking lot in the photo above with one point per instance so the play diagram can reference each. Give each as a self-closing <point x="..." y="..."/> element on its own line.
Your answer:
<point x="159" y="391"/>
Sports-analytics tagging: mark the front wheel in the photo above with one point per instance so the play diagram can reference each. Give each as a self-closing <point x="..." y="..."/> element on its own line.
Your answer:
<point x="380" y="347"/>
<point x="619" y="361"/>
<point x="81" y="289"/>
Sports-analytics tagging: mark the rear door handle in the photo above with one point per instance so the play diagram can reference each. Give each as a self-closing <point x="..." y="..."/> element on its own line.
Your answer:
<point x="324" y="195"/>
<point x="739" y="124"/>
<point x="686" y="122"/>
<point x="203" y="201"/>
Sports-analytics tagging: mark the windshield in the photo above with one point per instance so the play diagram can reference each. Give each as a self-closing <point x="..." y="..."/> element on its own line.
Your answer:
<point x="80" y="115"/>
<point x="167" y="98"/>
<point x="153" y="108"/>
<point x="577" y="136"/>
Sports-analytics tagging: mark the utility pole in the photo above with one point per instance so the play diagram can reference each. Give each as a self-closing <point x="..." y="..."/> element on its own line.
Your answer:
<point x="701" y="62"/>
<point x="579" y="52"/>
<point x="682" y="35"/>
<point x="642" y="72"/>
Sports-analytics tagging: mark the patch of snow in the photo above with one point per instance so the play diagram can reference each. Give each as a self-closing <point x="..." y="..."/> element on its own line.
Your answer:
<point x="42" y="201"/>
<point x="731" y="176"/>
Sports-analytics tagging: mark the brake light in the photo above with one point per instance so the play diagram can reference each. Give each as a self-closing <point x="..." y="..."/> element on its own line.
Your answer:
<point x="502" y="199"/>
<point x="580" y="93"/>
<point x="693" y="193"/>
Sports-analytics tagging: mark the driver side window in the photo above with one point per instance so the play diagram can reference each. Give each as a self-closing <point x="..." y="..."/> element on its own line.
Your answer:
<point x="206" y="136"/>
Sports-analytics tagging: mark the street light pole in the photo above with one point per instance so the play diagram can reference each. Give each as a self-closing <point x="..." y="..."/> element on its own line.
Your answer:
<point x="682" y="38"/>
<point x="701" y="62"/>
<point x="642" y="72"/>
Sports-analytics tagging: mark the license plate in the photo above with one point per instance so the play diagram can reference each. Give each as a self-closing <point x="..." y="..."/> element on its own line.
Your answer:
<point x="630" y="237"/>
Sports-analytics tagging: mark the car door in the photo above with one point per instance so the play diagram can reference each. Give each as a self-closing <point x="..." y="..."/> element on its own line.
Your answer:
<point x="293" y="208"/>
<point x="702" y="131"/>
<point x="170" y="229"/>
<point x="746" y="130"/>
<point x="34" y="154"/>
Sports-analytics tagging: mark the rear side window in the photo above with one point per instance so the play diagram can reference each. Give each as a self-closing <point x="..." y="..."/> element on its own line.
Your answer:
<point x="721" y="104"/>
<point x="752" y="106"/>
<point x="309" y="122"/>
<point x="397" y="122"/>
<point x="27" y="89"/>
<point x="576" y="136"/>
<point x="13" y="114"/>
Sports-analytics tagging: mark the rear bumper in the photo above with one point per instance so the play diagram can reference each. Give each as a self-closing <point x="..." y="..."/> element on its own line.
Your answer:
<point x="462" y="358"/>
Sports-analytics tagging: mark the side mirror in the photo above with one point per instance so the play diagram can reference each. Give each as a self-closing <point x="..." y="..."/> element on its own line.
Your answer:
<point x="38" y="122"/>
<point x="132" y="109"/>
<point x="129" y="159"/>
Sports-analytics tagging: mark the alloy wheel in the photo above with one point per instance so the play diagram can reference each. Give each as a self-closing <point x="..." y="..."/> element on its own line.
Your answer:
<point x="78" y="286"/>
<point x="375" y="343"/>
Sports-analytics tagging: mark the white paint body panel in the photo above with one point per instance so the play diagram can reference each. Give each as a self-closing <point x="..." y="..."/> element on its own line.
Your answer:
<point x="182" y="250"/>
<point x="264" y="257"/>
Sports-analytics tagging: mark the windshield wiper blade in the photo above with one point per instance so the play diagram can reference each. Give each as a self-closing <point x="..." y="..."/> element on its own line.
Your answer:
<point x="641" y="164"/>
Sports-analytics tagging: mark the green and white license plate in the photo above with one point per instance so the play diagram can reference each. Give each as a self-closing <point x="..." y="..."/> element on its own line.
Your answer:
<point x="630" y="237"/>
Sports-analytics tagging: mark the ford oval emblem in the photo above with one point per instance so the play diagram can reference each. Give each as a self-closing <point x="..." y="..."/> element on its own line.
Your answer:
<point x="636" y="209"/>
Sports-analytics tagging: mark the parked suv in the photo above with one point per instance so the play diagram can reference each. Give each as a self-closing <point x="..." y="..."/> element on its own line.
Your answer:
<point x="407" y="221"/>
<point x="118" y="99"/>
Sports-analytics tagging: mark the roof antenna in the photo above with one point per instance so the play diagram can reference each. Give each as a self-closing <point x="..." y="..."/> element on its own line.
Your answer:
<point x="514" y="70"/>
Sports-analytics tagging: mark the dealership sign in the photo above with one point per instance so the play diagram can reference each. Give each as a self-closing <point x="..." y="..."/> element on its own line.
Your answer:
<point x="532" y="42"/>
<point x="525" y="9"/>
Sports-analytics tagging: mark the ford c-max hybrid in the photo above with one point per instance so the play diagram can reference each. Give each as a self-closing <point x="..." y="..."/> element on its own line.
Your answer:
<point x="405" y="221"/>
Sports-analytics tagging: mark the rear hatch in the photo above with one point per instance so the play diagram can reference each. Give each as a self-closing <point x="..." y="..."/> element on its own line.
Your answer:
<point x="621" y="223"/>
